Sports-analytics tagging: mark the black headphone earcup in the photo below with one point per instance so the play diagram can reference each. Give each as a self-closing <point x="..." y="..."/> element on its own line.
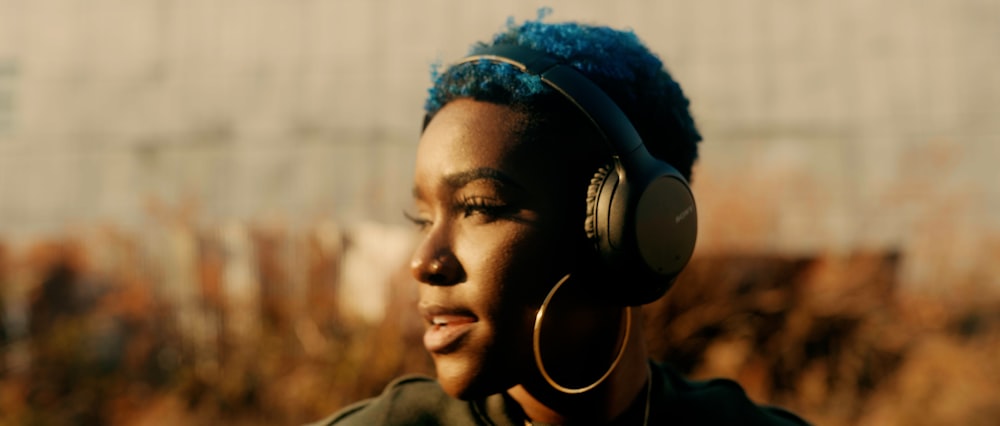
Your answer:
<point x="593" y="191"/>
<point x="644" y="243"/>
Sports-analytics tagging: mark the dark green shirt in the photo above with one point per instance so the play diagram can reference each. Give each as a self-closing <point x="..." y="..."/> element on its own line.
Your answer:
<point x="417" y="400"/>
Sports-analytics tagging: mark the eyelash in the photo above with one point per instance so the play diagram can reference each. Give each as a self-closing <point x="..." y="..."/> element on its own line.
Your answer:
<point x="419" y="222"/>
<point x="489" y="208"/>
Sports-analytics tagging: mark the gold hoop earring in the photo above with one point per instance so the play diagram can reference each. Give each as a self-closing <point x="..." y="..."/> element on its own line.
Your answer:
<point x="536" y="347"/>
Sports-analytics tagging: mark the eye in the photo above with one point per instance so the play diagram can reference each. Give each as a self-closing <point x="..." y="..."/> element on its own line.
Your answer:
<point x="419" y="222"/>
<point x="489" y="208"/>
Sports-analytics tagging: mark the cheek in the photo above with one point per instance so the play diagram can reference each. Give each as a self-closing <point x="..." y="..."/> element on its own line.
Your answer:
<point x="514" y="266"/>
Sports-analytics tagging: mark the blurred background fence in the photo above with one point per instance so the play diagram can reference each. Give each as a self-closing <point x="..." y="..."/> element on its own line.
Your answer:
<point x="199" y="202"/>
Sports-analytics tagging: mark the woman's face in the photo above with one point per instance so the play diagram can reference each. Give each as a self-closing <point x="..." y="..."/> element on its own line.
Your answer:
<point x="497" y="233"/>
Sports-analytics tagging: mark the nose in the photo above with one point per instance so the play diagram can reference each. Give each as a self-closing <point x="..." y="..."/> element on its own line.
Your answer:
<point x="434" y="262"/>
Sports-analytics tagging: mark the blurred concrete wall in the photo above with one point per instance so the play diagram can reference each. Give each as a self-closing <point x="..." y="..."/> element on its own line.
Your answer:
<point x="828" y="125"/>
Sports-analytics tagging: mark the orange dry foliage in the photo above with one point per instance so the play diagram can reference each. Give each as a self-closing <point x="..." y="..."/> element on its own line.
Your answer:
<point x="245" y="326"/>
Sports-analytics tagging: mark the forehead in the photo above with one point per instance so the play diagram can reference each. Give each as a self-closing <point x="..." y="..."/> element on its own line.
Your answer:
<point x="467" y="134"/>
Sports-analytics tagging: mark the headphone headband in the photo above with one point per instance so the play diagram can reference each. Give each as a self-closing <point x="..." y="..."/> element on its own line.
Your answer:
<point x="608" y="119"/>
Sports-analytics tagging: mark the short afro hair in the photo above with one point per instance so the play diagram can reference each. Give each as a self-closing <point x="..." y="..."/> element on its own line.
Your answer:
<point x="615" y="60"/>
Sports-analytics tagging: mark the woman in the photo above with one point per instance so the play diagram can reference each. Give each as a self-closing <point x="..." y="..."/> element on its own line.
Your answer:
<point x="539" y="233"/>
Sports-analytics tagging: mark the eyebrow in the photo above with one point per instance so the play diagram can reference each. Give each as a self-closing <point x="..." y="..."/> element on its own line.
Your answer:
<point x="460" y="179"/>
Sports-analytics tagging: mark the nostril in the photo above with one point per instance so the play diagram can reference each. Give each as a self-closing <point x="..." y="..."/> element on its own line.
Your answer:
<point x="436" y="272"/>
<point x="432" y="271"/>
<point x="440" y="270"/>
<point x="436" y="278"/>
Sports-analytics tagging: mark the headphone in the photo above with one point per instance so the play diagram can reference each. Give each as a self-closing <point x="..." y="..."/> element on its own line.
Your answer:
<point x="641" y="215"/>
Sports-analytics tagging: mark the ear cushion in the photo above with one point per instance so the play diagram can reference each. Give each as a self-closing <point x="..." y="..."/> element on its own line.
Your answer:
<point x="596" y="182"/>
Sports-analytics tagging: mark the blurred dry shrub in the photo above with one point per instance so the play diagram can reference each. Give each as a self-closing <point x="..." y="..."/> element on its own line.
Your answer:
<point x="179" y="325"/>
<point x="832" y="338"/>
<point x="248" y="324"/>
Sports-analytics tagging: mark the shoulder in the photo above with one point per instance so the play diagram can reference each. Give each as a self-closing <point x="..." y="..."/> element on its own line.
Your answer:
<point x="720" y="401"/>
<point x="410" y="400"/>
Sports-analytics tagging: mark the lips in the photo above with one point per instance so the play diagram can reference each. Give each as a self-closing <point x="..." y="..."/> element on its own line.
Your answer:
<point x="447" y="328"/>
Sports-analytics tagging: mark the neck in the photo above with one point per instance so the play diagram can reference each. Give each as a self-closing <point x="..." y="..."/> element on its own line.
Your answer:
<point x="604" y="403"/>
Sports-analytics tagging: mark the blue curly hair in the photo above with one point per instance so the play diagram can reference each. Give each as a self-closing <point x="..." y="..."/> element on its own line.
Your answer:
<point x="615" y="60"/>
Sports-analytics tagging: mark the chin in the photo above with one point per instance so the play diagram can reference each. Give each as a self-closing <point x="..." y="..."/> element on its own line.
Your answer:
<point x="466" y="380"/>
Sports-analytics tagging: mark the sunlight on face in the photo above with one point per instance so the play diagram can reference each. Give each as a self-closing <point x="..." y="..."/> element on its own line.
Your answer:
<point x="495" y="238"/>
